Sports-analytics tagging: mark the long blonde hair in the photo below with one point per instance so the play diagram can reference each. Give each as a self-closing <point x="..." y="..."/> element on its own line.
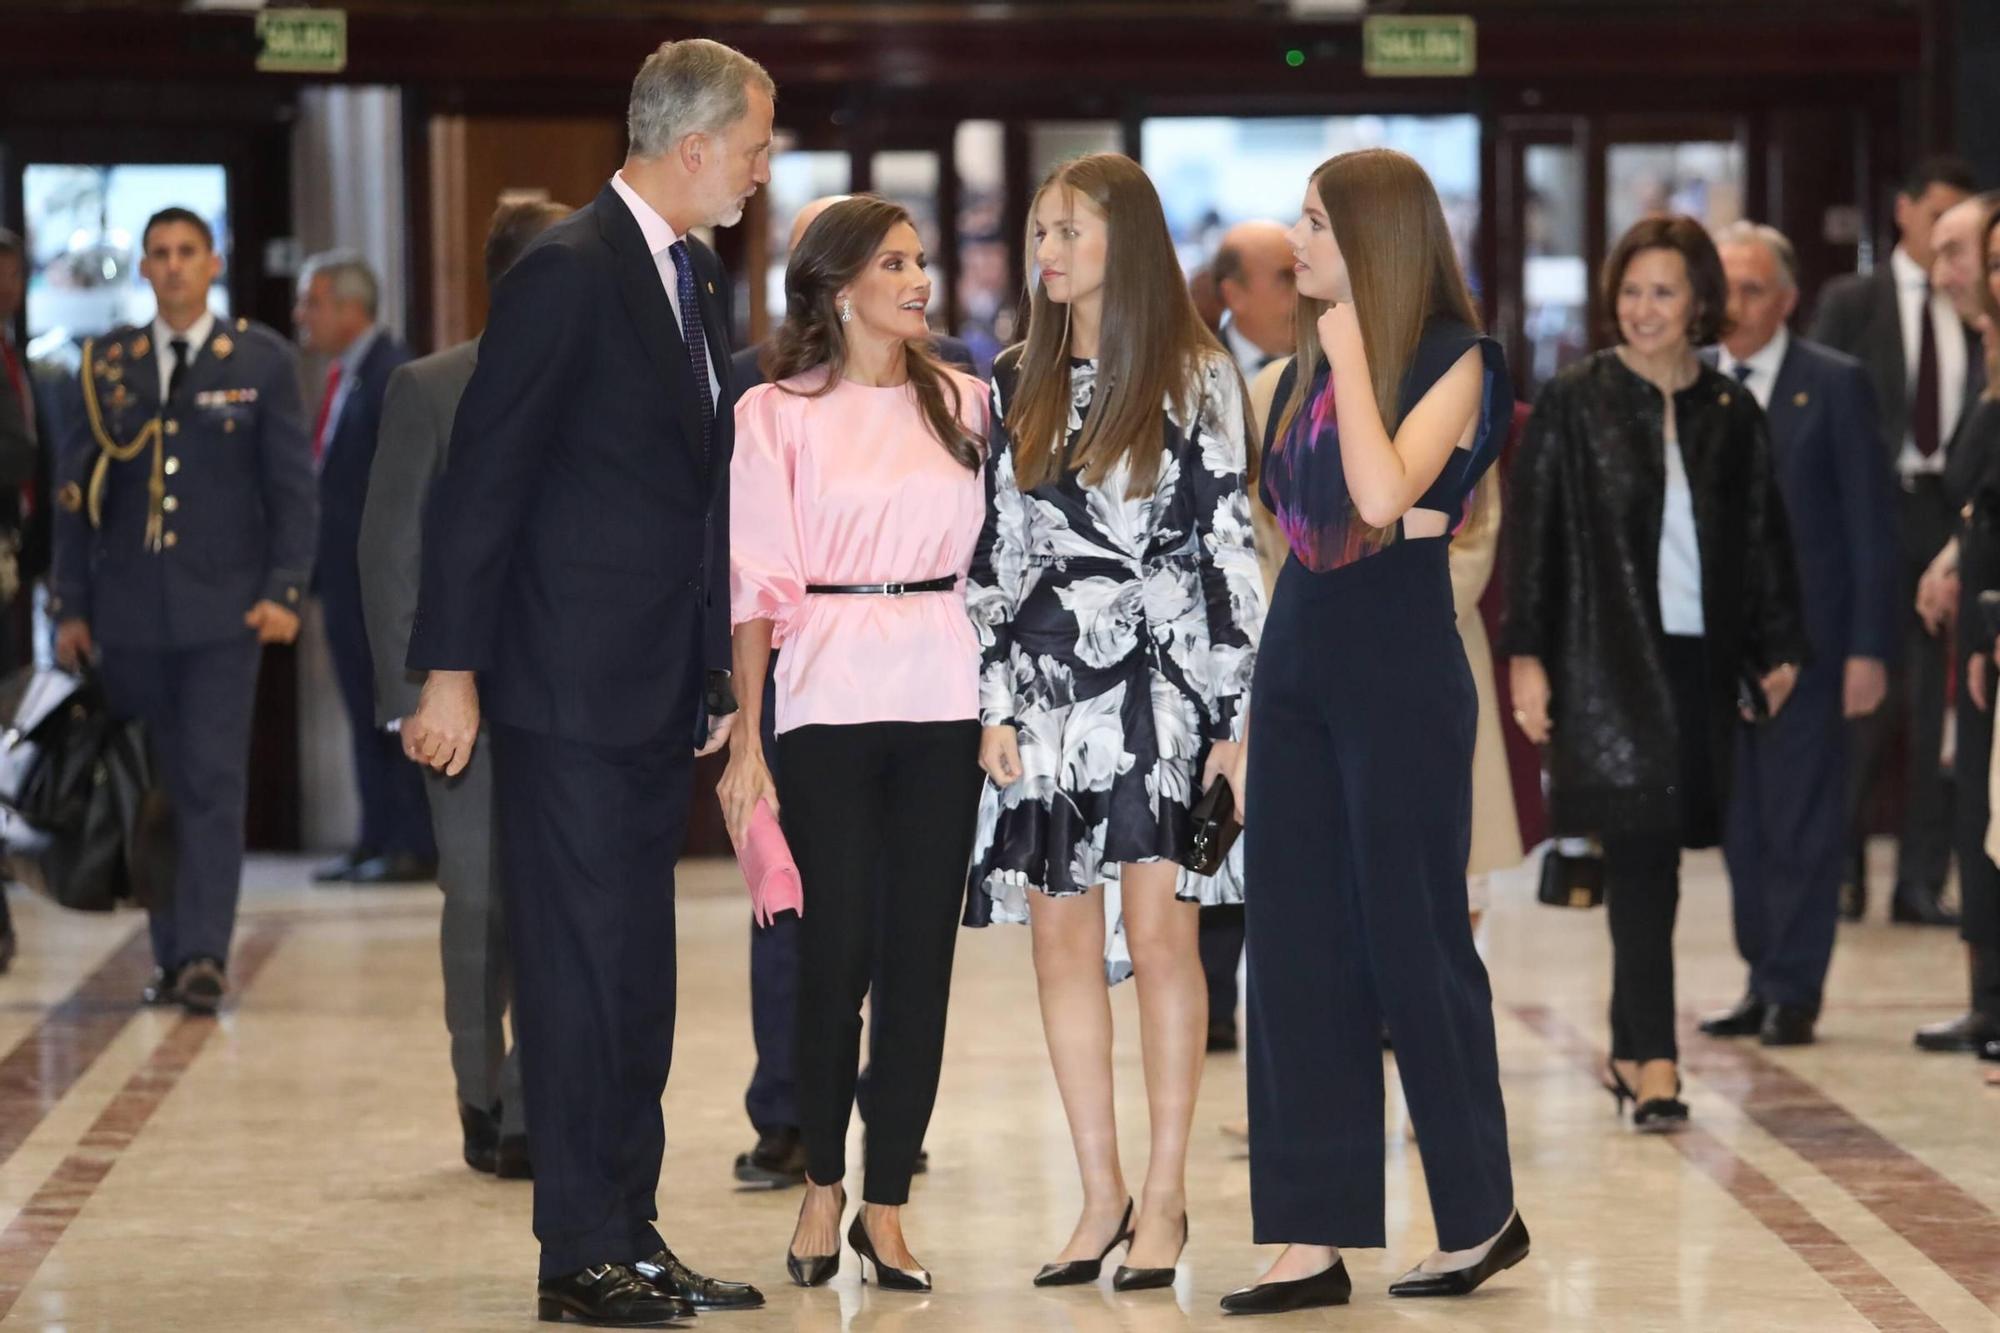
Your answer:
<point x="1152" y="351"/>
<point x="1401" y="266"/>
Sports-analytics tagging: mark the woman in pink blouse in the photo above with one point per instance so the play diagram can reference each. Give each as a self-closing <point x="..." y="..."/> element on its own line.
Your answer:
<point x="856" y="498"/>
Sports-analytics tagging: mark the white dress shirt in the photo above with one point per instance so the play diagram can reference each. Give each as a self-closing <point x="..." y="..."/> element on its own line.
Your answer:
<point x="163" y="337"/>
<point x="1680" y="551"/>
<point x="660" y="238"/>
<point x="1249" y="357"/>
<point x="1911" y="284"/>
<point x="1764" y="363"/>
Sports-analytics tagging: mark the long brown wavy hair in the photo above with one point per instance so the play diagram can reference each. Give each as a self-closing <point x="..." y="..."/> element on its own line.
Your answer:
<point x="835" y="249"/>
<point x="1152" y="347"/>
<point x="1401" y="267"/>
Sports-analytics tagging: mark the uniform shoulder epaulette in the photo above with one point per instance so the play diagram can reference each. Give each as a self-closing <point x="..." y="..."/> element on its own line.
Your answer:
<point x="255" y="331"/>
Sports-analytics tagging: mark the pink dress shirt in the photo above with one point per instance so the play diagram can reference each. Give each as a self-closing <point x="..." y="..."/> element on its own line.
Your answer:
<point x="854" y="488"/>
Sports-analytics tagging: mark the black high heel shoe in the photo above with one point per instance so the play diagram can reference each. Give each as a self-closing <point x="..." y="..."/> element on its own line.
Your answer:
<point x="815" y="1270"/>
<point x="887" y="1278"/>
<point x="1076" y="1272"/>
<point x="1510" y="1247"/>
<point x="1615" y="1084"/>
<point x="1146" y="1279"/>
<point x="1329" y="1286"/>
<point x="1661" y="1115"/>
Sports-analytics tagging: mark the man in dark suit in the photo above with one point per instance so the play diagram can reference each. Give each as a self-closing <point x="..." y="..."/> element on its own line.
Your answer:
<point x="185" y="521"/>
<point x="779" y="1158"/>
<point x="1787" y="822"/>
<point x="336" y="316"/>
<point x="417" y="414"/>
<point x="576" y="593"/>
<point x="1926" y="370"/>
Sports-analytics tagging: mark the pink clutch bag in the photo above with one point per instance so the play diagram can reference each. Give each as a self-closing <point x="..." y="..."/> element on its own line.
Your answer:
<point x="768" y="868"/>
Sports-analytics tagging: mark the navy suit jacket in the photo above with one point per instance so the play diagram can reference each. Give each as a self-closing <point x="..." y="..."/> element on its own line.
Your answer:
<point x="576" y="548"/>
<point x="1840" y="496"/>
<point x="349" y="456"/>
<point x="944" y="347"/>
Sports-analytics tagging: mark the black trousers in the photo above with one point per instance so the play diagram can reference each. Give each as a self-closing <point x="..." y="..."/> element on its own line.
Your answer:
<point x="880" y="818"/>
<point x="395" y="811"/>
<point x="1360" y="792"/>
<point x="197" y="704"/>
<point x="1978" y="877"/>
<point x="1221" y="951"/>
<point x="588" y="837"/>
<point x="1915" y="708"/>
<point x="1642" y="874"/>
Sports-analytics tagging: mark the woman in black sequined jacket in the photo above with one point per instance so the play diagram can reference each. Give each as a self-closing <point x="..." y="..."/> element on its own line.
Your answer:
<point x="1641" y="636"/>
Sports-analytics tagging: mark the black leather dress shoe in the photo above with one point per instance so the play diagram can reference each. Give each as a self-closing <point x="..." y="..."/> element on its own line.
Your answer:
<point x="161" y="989"/>
<point x="1958" y="1036"/>
<point x="341" y="868"/>
<point x="1510" y="1248"/>
<point x="705" y="1294"/>
<point x="608" y="1296"/>
<point x="777" y="1162"/>
<point x="401" y="868"/>
<point x="481" y="1131"/>
<point x="1913" y="906"/>
<point x="1327" y="1287"/>
<point x="1787" y="1025"/>
<point x="1221" y="1036"/>
<point x="1746" y="1019"/>
<point x="511" y="1160"/>
<point x="1990" y="1049"/>
<point x="201" y="986"/>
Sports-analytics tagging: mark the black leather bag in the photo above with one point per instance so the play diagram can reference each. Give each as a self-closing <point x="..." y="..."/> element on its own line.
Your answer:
<point x="82" y="815"/>
<point x="1215" y="829"/>
<point x="1571" y="879"/>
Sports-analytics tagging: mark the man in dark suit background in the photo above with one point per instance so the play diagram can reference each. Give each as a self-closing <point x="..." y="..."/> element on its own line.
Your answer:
<point x="1926" y="370"/>
<point x="778" y="1159"/>
<point x="417" y="414"/>
<point x="575" y="593"/>
<point x="336" y="317"/>
<point x="1787" y="822"/>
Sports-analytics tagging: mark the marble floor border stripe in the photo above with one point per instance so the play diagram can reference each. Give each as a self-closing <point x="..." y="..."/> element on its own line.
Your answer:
<point x="1945" y="1224"/>
<point x="46" y="1063"/>
<point x="1838" y="1264"/>
<point x="40" y="1224"/>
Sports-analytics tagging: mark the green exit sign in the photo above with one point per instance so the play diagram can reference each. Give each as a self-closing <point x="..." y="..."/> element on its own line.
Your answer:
<point x="302" y="41"/>
<point x="1423" y="46"/>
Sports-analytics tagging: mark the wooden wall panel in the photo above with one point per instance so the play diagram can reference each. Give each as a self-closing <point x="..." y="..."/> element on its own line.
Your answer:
<point x="474" y="161"/>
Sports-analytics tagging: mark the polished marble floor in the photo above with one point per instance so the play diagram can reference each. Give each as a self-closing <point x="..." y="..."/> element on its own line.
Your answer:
<point x="293" y="1166"/>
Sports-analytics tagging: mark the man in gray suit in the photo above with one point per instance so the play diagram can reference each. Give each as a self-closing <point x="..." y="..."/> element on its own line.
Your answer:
<point x="417" y="413"/>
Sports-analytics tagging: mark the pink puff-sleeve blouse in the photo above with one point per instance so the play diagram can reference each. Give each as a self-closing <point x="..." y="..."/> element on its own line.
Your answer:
<point x="847" y="488"/>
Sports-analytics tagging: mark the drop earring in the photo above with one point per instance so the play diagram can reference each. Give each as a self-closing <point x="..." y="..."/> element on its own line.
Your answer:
<point x="847" y="310"/>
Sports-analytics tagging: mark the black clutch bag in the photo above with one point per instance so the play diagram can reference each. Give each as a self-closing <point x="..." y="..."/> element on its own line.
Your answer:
<point x="1570" y="879"/>
<point x="1215" y="829"/>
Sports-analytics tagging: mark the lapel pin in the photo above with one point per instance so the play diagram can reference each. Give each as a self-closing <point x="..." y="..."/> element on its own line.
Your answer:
<point x="114" y="351"/>
<point x="1799" y="399"/>
<point x="711" y="289"/>
<point x="222" y="346"/>
<point x="143" y="346"/>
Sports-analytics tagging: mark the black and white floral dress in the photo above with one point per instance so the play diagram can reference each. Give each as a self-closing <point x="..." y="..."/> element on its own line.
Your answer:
<point x="1118" y="637"/>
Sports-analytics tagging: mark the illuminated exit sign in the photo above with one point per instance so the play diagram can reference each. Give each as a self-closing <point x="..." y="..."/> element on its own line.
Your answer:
<point x="302" y="41"/>
<point x="1418" y="46"/>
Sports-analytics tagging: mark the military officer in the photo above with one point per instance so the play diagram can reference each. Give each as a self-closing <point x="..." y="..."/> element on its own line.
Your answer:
<point x="186" y="515"/>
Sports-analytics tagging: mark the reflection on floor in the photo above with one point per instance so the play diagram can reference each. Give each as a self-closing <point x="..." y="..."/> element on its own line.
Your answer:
<point x="294" y="1166"/>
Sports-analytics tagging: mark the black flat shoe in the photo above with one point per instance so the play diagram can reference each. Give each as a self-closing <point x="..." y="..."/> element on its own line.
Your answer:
<point x="1661" y="1115"/>
<point x="1745" y="1019"/>
<point x="608" y="1296"/>
<point x="481" y="1132"/>
<point x="1076" y="1272"/>
<point x="1147" y="1279"/>
<point x="706" y="1294"/>
<point x="1222" y="1036"/>
<point x="1912" y="906"/>
<point x="1787" y="1025"/>
<point x="161" y="990"/>
<point x="1509" y="1248"/>
<point x="1328" y="1287"/>
<point x="511" y="1160"/>
<point x="887" y="1278"/>
<point x="777" y="1162"/>
<point x="201" y="987"/>
<point x="1966" y="1033"/>
<point x="815" y="1270"/>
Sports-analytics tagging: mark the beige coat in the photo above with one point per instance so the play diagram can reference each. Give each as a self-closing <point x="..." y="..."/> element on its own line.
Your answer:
<point x="1496" y="834"/>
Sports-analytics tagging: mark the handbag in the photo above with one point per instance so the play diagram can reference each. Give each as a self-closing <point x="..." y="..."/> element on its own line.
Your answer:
<point x="1215" y="828"/>
<point x="1572" y="878"/>
<point x="768" y="868"/>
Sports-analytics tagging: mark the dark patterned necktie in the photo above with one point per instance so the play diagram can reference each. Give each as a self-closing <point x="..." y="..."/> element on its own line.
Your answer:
<point x="697" y="341"/>
<point x="1742" y="372"/>
<point x="178" y="371"/>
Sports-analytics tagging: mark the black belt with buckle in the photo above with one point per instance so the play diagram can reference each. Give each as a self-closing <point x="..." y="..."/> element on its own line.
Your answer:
<point x="943" y="584"/>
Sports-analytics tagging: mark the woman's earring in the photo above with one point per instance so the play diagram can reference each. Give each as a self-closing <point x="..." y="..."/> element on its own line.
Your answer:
<point x="847" y="310"/>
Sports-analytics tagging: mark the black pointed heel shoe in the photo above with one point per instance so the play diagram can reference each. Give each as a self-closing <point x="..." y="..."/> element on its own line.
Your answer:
<point x="1076" y="1272"/>
<point x="815" y="1270"/>
<point x="1621" y="1091"/>
<point x="887" y="1278"/>
<point x="1510" y="1247"/>
<point x="1327" y="1287"/>
<point x="1147" y="1279"/>
<point x="1661" y="1115"/>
